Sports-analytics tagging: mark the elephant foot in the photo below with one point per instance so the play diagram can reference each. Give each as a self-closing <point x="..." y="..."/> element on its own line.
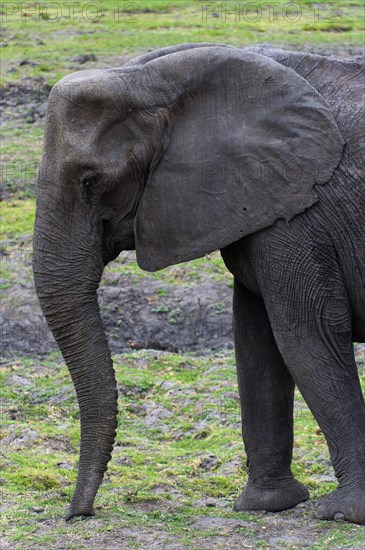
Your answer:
<point x="273" y="496"/>
<point x="343" y="503"/>
<point x="81" y="513"/>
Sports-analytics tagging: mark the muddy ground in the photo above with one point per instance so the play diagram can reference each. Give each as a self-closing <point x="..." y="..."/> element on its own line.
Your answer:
<point x="138" y="312"/>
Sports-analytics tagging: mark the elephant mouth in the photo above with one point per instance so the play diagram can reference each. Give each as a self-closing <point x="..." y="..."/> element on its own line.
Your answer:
<point x="113" y="244"/>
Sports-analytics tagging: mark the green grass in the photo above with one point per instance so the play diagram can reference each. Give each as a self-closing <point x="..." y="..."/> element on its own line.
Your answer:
<point x="16" y="229"/>
<point x="20" y="154"/>
<point x="186" y="273"/>
<point x="17" y="219"/>
<point x="154" y="465"/>
<point x="52" y="38"/>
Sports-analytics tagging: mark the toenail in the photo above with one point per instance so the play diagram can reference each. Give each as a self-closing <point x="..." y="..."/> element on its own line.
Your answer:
<point x="338" y="515"/>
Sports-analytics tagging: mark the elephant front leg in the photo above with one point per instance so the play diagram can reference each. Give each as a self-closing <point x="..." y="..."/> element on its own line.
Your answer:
<point x="266" y="394"/>
<point x="318" y="351"/>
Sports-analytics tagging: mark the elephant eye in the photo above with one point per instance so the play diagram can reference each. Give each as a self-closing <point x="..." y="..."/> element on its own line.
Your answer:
<point x="89" y="180"/>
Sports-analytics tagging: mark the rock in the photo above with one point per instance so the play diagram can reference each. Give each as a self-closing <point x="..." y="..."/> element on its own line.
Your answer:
<point x="130" y="391"/>
<point x="65" y="466"/>
<point x="231" y="468"/>
<point x="59" y="443"/>
<point x="27" y="62"/>
<point x="177" y="435"/>
<point x="167" y="385"/>
<point x="85" y="58"/>
<point x="201" y="430"/>
<point x="123" y="461"/>
<point x="155" y="412"/>
<point x="161" y="489"/>
<point x="134" y="408"/>
<point x="211" y="462"/>
<point x="38" y="509"/>
<point x="19" y="380"/>
<point x="26" y="438"/>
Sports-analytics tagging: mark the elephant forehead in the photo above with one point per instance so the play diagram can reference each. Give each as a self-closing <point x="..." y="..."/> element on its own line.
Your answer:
<point x="90" y="90"/>
<point x="85" y="117"/>
<point x="75" y="86"/>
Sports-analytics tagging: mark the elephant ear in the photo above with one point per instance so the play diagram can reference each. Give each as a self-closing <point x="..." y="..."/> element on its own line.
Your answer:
<point x="247" y="141"/>
<point x="144" y="58"/>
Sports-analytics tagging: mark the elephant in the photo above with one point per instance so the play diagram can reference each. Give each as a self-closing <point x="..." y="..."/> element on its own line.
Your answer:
<point x="196" y="148"/>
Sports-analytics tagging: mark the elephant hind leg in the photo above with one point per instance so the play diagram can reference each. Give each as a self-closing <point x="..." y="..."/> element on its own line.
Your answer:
<point x="315" y="340"/>
<point x="266" y="394"/>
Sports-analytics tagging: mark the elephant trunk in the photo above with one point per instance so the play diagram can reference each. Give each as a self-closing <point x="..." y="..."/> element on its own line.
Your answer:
<point x="67" y="264"/>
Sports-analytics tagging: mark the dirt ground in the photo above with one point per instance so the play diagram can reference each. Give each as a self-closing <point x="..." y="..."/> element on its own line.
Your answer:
<point x="293" y="529"/>
<point x="138" y="312"/>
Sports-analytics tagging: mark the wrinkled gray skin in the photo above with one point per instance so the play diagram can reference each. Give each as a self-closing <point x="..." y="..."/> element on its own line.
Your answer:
<point x="122" y="169"/>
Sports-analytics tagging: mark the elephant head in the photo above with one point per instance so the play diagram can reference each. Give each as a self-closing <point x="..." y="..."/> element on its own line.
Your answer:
<point x="176" y="155"/>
